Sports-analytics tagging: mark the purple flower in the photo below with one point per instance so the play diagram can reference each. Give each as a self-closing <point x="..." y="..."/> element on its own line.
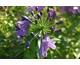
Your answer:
<point x="45" y="45"/>
<point x="78" y="9"/>
<point x="52" y="15"/>
<point x="34" y="7"/>
<point x="51" y="12"/>
<point x="22" y="27"/>
<point x="29" y="9"/>
<point x="68" y="9"/>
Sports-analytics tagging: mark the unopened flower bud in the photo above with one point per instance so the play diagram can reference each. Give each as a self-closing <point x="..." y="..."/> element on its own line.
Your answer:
<point x="60" y="22"/>
<point x="58" y="30"/>
<point x="32" y="34"/>
<point x="32" y="13"/>
<point x="54" y="15"/>
<point x="39" y="16"/>
<point x="48" y="10"/>
<point x="28" y="43"/>
<point x="36" y="8"/>
<point x="52" y="30"/>
<point x="49" y="14"/>
<point x="50" y="19"/>
<point x="41" y="13"/>
<point x="25" y="18"/>
<point x="36" y="21"/>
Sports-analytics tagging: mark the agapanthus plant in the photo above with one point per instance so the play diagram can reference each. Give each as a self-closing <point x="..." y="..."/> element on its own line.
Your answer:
<point x="41" y="23"/>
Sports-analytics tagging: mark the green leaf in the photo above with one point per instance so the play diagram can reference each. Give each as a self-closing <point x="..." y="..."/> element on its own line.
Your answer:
<point x="58" y="51"/>
<point x="18" y="54"/>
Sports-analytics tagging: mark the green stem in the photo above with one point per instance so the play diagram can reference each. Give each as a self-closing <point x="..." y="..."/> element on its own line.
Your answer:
<point x="10" y="48"/>
<point x="51" y="54"/>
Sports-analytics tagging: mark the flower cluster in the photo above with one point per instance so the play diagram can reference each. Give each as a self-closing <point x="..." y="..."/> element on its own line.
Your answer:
<point x="39" y="25"/>
<point x="69" y="9"/>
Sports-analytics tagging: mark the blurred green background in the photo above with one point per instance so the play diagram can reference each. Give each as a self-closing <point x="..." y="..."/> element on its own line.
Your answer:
<point x="67" y="41"/>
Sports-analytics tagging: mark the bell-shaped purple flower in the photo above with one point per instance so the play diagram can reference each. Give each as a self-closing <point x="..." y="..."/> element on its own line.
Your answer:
<point x="45" y="45"/>
<point x="22" y="27"/>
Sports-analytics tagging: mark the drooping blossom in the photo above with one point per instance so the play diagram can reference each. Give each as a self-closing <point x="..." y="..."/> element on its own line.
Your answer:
<point x="45" y="45"/>
<point x="22" y="27"/>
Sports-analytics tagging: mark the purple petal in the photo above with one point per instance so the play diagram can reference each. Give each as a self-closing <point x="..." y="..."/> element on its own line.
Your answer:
<point x="74" y="11"/>
<point x="62" y="9"/>
<point x="28" y="9"/>
<point x="51" y="44"/>
<point x="44" y="48"/>
<point x="45" y="44"/>
<point x="79" y="9"/>
<point x="42" y="53"/>
<point x="70" y="8"/>
<point x="51" y="12"/>
<point x="20" y="38"/>
<point x="46" y="36"/>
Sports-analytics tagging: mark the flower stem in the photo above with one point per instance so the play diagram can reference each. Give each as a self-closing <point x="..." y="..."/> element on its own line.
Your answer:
<point x="51" y="54"/>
